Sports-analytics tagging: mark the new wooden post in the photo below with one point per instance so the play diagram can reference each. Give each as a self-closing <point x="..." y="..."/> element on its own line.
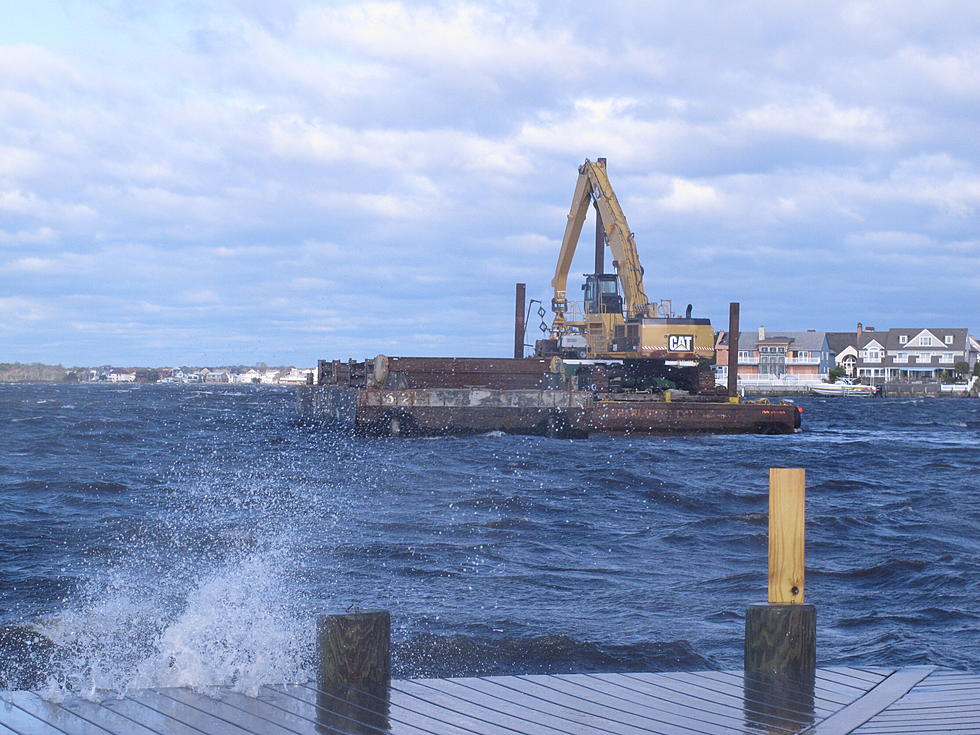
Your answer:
<point x="780" y="636"/>
<point x="353" y="672"/>
<point x="787" y="492"/>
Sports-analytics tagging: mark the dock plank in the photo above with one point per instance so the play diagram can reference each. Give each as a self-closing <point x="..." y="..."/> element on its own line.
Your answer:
<point x="745" y="687"/>
<point x="659" y="697"/>
<point x="28" y="710"/>
<point x="845" y="699"/>
<point x="484" y="713"/>
<point x="406" y="715"/>
<point x="486" y="693"/>
<point x="623" y="710"/>
<point x="853" y="716"/>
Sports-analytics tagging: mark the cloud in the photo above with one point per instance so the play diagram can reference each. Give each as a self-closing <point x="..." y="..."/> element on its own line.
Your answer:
<point x="39" y="236"/>
<point x="458" y="39"/>
<point x="819" y="118"/>
<point x="889" y="240"/>
<point x="203" y="297"/>
<point x="15" y="310"/>
<point x="73" y="263"/>
<point x="689" y="196"/>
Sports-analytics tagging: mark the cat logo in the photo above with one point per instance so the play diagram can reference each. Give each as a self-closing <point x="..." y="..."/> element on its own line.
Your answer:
<point x="680" y="342"/>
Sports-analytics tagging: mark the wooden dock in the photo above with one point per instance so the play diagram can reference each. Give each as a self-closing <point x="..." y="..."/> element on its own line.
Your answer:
<point x="882" y="701"/>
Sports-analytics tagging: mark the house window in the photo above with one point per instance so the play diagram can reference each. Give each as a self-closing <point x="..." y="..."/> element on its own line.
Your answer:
<point x="947" y="357"/>
<point x="744" y="354"/>
<point x="949" y="339"/>
<point x="902" y="339"/>
<point x="902" y="357"/>
<point x="925" y="341"/>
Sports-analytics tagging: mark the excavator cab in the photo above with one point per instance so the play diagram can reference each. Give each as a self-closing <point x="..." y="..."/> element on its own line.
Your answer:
<point x="602" y="294"/>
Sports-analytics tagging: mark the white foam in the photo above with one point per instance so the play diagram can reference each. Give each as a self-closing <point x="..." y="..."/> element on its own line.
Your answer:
<point x="233" y="628"/>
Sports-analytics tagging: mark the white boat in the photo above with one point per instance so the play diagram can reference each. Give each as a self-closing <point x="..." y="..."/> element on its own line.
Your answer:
<point x="843" y="389"/>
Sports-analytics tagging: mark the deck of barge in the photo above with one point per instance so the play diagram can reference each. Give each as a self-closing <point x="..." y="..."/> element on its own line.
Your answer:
<point x="867" y="700"/>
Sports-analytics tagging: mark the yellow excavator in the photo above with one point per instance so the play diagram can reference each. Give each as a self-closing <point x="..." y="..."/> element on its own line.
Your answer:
<point x="622" y="327"/>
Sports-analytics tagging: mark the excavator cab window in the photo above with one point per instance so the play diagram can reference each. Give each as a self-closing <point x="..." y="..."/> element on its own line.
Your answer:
<point x="602" y="294"/>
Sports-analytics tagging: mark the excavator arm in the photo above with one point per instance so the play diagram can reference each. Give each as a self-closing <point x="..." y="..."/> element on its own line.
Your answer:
<point x="593" y="187"/>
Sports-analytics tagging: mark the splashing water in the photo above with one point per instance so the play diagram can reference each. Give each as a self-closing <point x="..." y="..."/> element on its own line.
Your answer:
<point x="234" y="628"/>
<point x="206" y="587"/>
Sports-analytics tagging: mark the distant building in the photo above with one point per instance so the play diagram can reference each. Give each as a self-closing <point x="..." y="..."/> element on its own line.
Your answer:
<point x="916" y="353"/>
<point x="270" y="377"/>
<point x="248" y="377"/>
<point x="119" y="375"/>
<point x="805" y="355"/>
<point x="296" y="376"/>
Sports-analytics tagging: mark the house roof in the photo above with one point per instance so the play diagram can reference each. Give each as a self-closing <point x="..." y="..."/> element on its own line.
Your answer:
<point x="797" y="340"/>
<point x="959" y="338"/>
<point x="840" y="341"/>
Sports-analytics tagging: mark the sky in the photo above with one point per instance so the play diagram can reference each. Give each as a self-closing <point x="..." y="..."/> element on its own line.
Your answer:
<point x="236" y="182"/>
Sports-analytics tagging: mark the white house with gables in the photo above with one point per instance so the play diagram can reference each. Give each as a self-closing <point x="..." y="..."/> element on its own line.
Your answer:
<point x="914" y="353"/>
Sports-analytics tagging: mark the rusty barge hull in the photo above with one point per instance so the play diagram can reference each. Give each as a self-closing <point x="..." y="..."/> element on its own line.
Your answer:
<point x="542" y="412"/>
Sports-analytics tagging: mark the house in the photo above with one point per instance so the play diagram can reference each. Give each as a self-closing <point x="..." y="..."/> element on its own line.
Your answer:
<point x="805" y="355"/>
<point x="248" y="377"/>
<point x="119" y="375"/>
<point x="297" y="376"/>
<point x="270" y="377"/>
<point x="908" y="353"/>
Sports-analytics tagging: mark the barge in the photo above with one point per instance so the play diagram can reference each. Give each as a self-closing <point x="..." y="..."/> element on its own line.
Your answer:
<point x="426" y="396"/>
<point x="615" y="363"/>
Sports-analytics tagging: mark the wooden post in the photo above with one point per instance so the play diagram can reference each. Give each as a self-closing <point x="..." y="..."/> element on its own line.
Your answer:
<point x="733" y="328"/>
<point x="600" y="234"/>
<point x="353" y="672"/>
<point x="787" y="489"/>
<point x="780" y="636"/>
<point x="354" y="649"/>
<point x="519" y="326"/>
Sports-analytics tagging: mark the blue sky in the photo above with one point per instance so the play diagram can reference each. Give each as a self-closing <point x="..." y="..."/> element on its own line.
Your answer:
<point x="285" y="181"/>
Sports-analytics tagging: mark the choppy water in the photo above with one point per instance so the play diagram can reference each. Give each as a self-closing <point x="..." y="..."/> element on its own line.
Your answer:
<point x="188" y="535"/>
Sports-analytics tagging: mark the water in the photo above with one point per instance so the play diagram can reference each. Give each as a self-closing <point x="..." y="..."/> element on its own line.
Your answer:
<point x="178" y="535"/>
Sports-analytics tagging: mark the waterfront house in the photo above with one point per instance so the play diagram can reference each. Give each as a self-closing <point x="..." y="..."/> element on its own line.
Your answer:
<point x="249" y="377"/>
<point x="804" y="355"/>
<point x="119" y="375"/>
<point x="907" y="353"/>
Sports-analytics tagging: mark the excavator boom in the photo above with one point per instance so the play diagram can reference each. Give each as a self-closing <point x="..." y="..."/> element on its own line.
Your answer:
<point x="593" y="187"/>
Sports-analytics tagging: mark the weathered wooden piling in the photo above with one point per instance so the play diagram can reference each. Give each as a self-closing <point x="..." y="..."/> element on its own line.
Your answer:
<point x="733" y="328"/>
<point x="520" y="301"/>
<point x="780" y="635"/>
<point x="353" y="671"/>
